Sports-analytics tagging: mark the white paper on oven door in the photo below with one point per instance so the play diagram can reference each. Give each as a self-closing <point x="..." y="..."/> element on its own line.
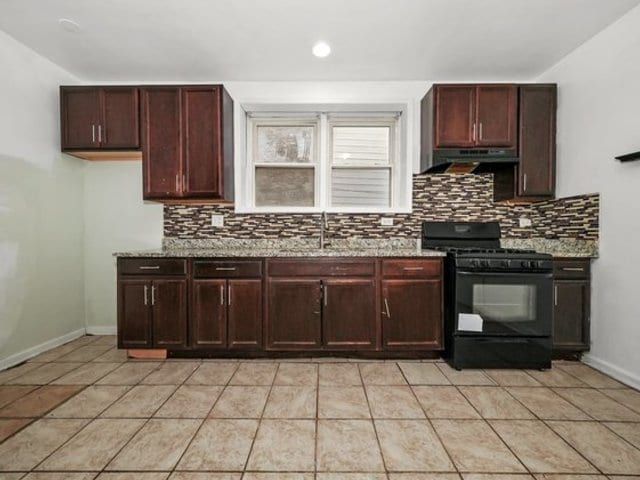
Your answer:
<point x="469" y="322"/>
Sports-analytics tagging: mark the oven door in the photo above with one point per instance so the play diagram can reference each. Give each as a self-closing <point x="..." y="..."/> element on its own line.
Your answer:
<point x="508" y="304"/>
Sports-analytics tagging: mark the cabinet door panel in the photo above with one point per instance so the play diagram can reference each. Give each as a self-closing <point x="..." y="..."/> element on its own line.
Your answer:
<point x="245" y="313"/>
<point x="134" y="313"/>
<point x="169" y="305"/>
<point x="294" y="315"/>
<point x="537" y="149"/>
<point x="496" y="107"/>
<point x="161" y="142"/>
<point x="120" y="126"/>
<point x="454" y="116"/>
<point x="80" y="118"/>
<point x="571" y="315"/>
<point x="202" y="141"/>
<point x="412" y="314"/>
<point x="349" y="318"/>
<point x="208" y="314"/>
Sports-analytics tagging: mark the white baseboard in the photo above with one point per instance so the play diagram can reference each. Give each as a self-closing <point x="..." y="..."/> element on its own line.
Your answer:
<point x="102" y="330"/>
<point x="614" y="371"/>
<point x="20" y="357"/>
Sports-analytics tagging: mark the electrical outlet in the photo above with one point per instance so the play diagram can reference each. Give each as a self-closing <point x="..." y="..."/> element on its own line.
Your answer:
<point x="217" y="220"/>
<point x="386" y="222"/>
<point x="525" y="222"/>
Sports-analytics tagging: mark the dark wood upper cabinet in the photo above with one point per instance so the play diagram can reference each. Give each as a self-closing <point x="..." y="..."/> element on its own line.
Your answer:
<point x="496" y="115"/>
<point x="454" y="116"/>
<point x="471" y="116"/>
<point x="99" y="119"/>
<point x="537" y="145"/>
<point x="349" y="313"/>
<point x="187" y="134"/>
<point x="162" y="159"/>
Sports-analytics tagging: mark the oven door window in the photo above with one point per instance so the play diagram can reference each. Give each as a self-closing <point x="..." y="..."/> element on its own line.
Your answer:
<point x="509" y="304"/>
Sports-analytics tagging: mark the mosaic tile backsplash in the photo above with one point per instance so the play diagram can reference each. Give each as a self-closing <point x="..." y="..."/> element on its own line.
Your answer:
<point x="435" y="197"/>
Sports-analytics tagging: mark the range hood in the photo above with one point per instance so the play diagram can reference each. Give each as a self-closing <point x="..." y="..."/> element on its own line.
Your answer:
<point x="466" y="160"/>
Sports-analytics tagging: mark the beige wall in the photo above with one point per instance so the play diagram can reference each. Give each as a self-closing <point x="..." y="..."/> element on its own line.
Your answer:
<point x="41" y="225"/>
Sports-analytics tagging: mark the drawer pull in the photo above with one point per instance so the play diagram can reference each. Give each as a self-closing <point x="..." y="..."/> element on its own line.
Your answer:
<point x="573" y="269"/>
<point x="153" y="295"/>
<point x="413" y="268"/>
<point x="221" y="294"/>
<point x="386" y="305"/>
<point x="146" y="300"/>
<point x="225" y="269"/>
<point x="150" y="267"/>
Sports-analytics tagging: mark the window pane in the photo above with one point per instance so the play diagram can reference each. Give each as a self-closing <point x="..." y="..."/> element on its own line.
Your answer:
<point x="360" y="145"/>
<point x="285" y="144"/>
<point x="360" y="187"/>
<point x="284" y="187"/>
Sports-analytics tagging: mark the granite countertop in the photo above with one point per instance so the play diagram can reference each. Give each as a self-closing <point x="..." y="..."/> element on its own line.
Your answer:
<point x="256" y="252"/>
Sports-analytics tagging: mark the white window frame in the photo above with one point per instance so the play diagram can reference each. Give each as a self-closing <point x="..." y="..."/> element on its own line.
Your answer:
<point x="326" y="116"/>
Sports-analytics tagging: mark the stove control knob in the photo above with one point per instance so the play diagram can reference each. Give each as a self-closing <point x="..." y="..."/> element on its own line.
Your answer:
<point x="524" y="264"/>
<point x="504" y="263"/>
<point x="484" y="263"/>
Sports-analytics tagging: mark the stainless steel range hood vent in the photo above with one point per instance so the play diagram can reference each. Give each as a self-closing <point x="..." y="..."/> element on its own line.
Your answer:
<point x="466" y="160"/>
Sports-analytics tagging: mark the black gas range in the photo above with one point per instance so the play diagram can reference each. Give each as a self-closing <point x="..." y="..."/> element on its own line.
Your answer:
<point x="498" y="301"/>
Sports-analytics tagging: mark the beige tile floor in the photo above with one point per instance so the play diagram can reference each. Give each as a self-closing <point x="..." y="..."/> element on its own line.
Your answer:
<point x="83" y="411"/>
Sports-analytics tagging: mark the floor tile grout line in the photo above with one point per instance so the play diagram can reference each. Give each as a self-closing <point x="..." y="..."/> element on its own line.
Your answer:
<point x="264" y="407"/>
<point x="583" y="410"/>
<point x="317" y="424"/>
<point x="433" y="428"/>
<point x="207" y="416"/>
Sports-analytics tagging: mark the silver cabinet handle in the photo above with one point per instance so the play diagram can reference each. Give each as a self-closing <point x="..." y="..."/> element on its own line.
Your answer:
<point x="153" y="294"/>
<point x="93" y="133"/>
<point x="474" y="132"/>
<point x="146" y="301"/>
<point x="99" y="133"/>
<point x="184" y="182"/>
<point x="555" y="295"/>
<point x="386" y="306"/>
<point x="573" y="269"/>
<point x="480" y="131"/>
<point x="229" y="295"/>
<point x="177" y="182"/>
<point x="326" y="294"/>
<point x="413" y="268"/>
<point x="225" y="269"/>
<point x="524" y="183"/>
<point x="221" y="294"/>
<point x="149" y="267"/>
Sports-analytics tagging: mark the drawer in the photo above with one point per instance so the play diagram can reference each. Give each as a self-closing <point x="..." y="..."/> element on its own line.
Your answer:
<point x="572" y="268"/>
<point x="227" y="268"/>
<point x="152" y="266"/>
<point x="321" y="268"/>
<point x="411" y="267"/>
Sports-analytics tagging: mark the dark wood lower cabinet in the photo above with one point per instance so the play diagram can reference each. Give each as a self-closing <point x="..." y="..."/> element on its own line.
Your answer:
<point x="571" y="298"/>
<point x="169" y="305"/>
<point x="313" y="305"/>
<point x="412" y="313"/>
<point x="294" y="314"/>
<point x="348" y="314"/>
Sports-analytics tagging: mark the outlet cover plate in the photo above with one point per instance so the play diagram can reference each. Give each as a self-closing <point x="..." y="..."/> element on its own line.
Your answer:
<point x="386" y="221"/>
<point x="524" y="222"/>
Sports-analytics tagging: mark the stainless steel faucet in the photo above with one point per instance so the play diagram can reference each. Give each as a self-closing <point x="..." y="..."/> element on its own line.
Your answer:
<point x="324" y="225"/>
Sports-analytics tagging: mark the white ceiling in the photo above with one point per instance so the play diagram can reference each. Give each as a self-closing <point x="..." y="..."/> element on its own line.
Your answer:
<point x="200" y="40"/>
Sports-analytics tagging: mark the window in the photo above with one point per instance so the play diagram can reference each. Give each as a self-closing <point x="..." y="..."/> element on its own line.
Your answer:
<point x="342" y="161"/>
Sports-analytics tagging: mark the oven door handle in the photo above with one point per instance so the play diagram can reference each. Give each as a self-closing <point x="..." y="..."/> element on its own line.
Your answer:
<point x="503" y="274"/>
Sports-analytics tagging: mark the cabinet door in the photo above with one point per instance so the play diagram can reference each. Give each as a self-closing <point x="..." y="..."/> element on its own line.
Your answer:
<point x="120" y="127"/>
<point x="209" y="314"/>
<point x="202" y="141"/>
<point x="348" y="317"/>
<point x="169" y="305"/>
<point x="496" y="113"/>
<point x="134" y="313"/>
<point x="245" y="313"/>
<point x="537" y="149"/>
<point x="161" y="142"/>
<point x="571" y="315"/>
<point x="412" y="314"/>
<point x="80" y="112"/>
<point x="294" y="314"/>
<point x="454" y="116"/>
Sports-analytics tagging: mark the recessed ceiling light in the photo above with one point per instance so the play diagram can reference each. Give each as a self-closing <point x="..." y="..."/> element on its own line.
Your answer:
<point x="69" y="25"/>
<point x="321" y="49"/>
